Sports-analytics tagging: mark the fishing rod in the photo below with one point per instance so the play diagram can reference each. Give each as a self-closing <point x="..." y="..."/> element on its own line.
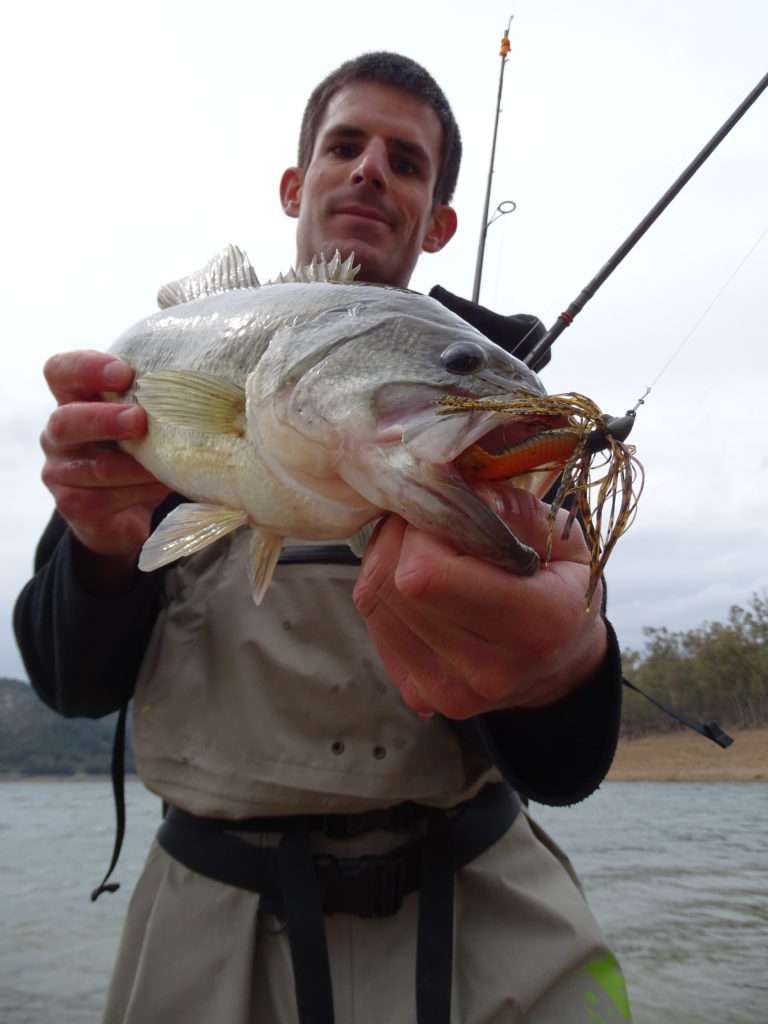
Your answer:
<point x="504" y="207"/>
<point x="618" y="428"/>
<point x="566" y="318"/>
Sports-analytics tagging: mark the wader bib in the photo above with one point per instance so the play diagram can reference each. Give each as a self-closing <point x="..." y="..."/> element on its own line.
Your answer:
<point x="329" y="856"/>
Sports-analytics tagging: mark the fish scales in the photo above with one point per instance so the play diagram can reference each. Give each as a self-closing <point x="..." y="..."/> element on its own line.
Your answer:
<point x="308" y="408"/>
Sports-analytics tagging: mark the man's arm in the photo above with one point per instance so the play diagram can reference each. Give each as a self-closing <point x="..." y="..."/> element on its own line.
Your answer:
<point x="561" y="753"/>
<point x="82" y="650"/>
<point x="82" y="622"/>
<point x="464" y="638"/>
<point x="518" y="662"/>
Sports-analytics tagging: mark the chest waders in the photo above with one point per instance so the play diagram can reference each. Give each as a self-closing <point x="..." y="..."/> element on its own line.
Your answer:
<point x="300" y="886"/>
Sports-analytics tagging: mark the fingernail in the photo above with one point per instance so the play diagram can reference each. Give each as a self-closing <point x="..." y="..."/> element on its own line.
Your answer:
<point x="127" y="421"/>
<point x="116" y="375"/>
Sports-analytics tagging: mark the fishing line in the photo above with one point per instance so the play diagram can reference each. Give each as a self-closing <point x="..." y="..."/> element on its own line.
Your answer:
<point x="566" y="318"/>
<point x="700" y="320"/>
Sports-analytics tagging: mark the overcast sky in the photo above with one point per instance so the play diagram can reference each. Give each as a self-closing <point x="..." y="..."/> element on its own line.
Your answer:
<point x="140" y="138"/>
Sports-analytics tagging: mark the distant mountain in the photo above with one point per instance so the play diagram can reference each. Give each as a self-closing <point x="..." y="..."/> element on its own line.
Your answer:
<point x="36" y="741"/>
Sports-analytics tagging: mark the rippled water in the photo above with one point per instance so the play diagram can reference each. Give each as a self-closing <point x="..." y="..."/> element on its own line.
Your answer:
<point x="676" y="873"/>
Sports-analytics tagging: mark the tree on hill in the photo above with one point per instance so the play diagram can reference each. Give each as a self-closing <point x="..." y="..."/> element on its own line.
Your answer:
<point x="36" y="741"/>
<point x="719" y="670"/>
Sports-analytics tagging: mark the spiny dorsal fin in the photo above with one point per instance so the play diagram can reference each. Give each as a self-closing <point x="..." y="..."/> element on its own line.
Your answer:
<point x="228" y="270"/>
<point x="335" y="272"/>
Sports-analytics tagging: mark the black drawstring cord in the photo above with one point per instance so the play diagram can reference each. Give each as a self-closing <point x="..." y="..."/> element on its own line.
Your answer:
<point x="118" y="790"/>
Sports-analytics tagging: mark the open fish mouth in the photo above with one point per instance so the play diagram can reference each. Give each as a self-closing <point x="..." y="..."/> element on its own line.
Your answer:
<point x="540" y="438"/>
<point x="517" y="447"/>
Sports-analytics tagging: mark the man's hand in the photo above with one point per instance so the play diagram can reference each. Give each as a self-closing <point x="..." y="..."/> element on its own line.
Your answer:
<point x="461" y="636"/>
<point x="105" y="496"/>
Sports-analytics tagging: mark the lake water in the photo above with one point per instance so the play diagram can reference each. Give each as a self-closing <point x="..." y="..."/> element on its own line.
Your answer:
<point x="677" y="874"/>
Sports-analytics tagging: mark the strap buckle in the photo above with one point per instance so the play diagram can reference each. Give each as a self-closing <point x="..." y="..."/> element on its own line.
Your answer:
<point x="370" y="886"/>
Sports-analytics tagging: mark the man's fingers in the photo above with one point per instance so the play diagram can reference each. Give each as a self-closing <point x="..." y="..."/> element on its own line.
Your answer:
<point x="528" y="519"/>
<point x="95" y="506"/>
<point x="81" y="375"/>
<point x="464" y="589"/>
<point x="94" y="466"/>
<point x="122" y="535"/>
<point x="468" y="612"/>
<point x="427" y="680"/>
<point x="79" y="423"/>
<point x="449" y="590"/>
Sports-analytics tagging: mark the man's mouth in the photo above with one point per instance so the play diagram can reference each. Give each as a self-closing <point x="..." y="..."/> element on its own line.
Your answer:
<point x="363" y="212"/>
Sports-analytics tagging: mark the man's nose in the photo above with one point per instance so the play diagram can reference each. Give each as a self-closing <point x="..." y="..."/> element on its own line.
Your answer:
<point x="372" y="166"/>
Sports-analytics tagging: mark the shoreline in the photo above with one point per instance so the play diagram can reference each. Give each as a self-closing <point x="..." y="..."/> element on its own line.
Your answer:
<point x="682" y="756"/>
<point x="685" y="756"/>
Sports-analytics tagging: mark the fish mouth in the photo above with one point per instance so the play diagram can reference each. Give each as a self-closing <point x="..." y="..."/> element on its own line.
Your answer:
<point x="484" y="441"/>
<point x="523" y="447"/>
<point x="471" y="451"/>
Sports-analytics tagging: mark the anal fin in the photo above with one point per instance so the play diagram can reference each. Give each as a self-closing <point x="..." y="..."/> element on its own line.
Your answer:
<point x="188" y="528"/>
<point x="264" y="552"/>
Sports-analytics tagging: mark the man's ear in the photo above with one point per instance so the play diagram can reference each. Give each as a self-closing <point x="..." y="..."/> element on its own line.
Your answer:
<point x="290" y="191"/>
<point x="441" y="229"/>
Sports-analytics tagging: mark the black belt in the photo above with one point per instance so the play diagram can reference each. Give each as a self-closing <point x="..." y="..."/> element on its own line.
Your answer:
<point x="301" y="886"/>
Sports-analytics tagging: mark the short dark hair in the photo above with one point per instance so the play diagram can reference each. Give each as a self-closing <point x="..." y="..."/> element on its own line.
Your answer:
<point x="401" y="73"/>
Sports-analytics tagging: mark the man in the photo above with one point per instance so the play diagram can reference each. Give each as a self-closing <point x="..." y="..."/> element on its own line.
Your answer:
<point x="324" y="807"/>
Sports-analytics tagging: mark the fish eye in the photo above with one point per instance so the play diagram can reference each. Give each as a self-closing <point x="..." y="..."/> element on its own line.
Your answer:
<point x="463" y="357"/>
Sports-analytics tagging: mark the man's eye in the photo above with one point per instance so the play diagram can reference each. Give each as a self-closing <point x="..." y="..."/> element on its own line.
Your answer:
<point x="344" y="150"/>
<point x="401" y="165"/>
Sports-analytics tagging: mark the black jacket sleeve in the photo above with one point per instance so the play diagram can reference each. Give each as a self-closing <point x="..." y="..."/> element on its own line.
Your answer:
<point x="517" y="333"/>
<point x="82" y="651"/>
<point x="560" y="754"/>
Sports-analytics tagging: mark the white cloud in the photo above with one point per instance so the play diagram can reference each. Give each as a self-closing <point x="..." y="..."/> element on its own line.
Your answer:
<point x="146" y="136"/>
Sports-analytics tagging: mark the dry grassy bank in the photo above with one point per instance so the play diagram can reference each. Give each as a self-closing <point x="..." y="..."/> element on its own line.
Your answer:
<point x="687" y="757"/>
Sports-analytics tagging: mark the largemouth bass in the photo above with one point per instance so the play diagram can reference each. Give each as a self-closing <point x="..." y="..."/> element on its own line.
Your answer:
<point x="308" y="407"/>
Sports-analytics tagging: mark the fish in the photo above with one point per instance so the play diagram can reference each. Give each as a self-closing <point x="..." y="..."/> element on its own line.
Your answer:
<point x="310" y="406"/>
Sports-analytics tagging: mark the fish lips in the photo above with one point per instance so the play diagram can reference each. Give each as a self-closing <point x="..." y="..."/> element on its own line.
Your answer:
<point x="412" y="417"/>
<point x="442" y="439"/>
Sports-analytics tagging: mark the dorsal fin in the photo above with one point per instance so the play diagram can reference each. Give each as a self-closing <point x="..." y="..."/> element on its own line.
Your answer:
<point x="229" y="269"/>
<point x="335" y="272"/>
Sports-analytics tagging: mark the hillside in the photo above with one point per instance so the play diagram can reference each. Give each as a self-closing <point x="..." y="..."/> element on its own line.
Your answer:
<point x="36" y="741"/>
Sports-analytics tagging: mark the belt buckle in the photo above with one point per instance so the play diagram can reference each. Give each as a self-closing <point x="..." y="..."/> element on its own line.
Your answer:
<point x="365" y="886"/>
<point x="341" y="826"/>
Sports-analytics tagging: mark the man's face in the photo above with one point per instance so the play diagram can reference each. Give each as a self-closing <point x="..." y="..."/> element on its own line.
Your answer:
<point x="370" y="182"/>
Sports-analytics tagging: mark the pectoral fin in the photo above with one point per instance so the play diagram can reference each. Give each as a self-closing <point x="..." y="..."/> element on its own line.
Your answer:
<point x="359" y="541"/>
<point x="265" y="551"/>
<point x="187" y="529"/>
<point x="198" y="401"/>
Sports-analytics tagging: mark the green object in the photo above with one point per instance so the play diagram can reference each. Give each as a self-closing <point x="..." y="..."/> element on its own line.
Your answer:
<point x="606" y="972"/>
